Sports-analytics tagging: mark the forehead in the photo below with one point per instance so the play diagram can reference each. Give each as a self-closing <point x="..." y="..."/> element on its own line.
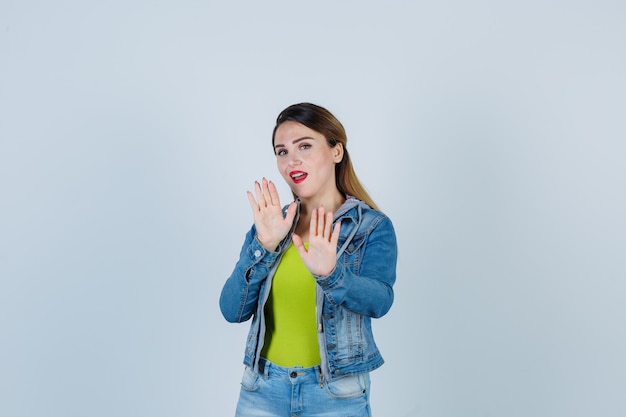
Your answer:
<point x="289" y="131"/>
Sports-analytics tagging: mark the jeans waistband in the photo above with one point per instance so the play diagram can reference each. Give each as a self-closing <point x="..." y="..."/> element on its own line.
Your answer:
<point x="294" y="373"/>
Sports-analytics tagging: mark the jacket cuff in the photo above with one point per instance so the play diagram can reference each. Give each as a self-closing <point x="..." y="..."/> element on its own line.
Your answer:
<point x="333" y="280"/>
<point x="259" y="255"/>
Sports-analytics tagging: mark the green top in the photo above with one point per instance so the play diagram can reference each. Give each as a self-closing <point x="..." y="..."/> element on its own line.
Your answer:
<point x="291" y="332"/>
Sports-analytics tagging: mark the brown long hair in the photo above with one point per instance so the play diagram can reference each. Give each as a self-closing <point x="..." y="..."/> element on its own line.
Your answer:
<point x="321" y="120"/>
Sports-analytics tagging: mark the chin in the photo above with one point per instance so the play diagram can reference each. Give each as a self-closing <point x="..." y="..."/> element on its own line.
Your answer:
<point x="301" y="195"/>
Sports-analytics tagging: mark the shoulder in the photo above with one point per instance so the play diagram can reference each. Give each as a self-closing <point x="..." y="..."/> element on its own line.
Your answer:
<point x="364" y="216"/>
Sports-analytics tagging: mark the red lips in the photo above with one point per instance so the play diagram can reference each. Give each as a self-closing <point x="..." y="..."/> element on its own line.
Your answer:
<point x="298" y="176"/>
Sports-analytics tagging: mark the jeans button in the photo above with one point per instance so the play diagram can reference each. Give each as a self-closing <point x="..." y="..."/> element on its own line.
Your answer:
<point x="293" y="374"/>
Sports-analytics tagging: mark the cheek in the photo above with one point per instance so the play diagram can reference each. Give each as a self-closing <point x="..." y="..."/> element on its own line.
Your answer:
<point x="282" y="168"/>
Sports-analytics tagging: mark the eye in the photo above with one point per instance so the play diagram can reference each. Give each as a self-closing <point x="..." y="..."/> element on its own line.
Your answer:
<point x="305" y="146"/>
<point x="281" y="152"/>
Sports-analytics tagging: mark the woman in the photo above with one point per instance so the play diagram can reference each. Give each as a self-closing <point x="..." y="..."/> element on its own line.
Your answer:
<point x="311" y="276"/>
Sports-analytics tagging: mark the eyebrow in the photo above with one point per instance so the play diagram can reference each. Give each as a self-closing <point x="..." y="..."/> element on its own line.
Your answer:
<point x="294" y="141"/>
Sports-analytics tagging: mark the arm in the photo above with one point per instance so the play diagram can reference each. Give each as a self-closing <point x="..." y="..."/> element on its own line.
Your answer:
<point x="370" y="292"/>
<point x="240" y="294"/>
<point x="241" y="291"/>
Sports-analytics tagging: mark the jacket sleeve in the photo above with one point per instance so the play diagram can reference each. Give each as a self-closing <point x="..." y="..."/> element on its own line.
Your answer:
<point x="370" y="292"/>
<point x="240" y="294"/>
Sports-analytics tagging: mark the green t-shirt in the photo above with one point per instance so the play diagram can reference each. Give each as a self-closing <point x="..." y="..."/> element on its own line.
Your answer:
<point x="291" y="332"/>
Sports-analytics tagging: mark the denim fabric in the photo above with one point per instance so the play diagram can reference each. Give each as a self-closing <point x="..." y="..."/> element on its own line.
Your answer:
<point x="276" y="391"/>
<point x="359" y="288"/>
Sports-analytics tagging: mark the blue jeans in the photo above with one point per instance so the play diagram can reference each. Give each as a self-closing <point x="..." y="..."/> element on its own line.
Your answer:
<point x="299" y="392"/>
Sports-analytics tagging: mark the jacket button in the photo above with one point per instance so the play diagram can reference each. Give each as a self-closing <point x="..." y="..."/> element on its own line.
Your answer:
<point x="257" y="253"/>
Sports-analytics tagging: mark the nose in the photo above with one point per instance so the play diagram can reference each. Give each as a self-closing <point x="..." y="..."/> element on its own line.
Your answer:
<point x="294" y="160"/>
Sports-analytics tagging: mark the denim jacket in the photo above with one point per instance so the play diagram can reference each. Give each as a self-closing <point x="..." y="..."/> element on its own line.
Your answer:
<point x="359" y="288"/>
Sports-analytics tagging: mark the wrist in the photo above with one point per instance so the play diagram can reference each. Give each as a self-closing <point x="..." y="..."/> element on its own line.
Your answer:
<point x="269" y="246"/>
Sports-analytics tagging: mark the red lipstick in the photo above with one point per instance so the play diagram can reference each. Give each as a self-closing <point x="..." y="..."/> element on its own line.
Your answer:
<point x="298" y="176"/>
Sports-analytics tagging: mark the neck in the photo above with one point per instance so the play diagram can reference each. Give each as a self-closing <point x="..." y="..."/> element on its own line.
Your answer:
<point x="330" y="203"/>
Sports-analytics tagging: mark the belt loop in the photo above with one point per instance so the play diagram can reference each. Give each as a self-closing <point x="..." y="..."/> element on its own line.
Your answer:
<point x="264" y="367"/>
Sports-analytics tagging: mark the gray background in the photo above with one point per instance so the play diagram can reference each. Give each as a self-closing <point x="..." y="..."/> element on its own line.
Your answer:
<point x="492" y="133"/>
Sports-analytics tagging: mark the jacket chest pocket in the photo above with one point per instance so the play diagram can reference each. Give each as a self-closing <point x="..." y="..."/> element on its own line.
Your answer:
<point x="353" y="252"/>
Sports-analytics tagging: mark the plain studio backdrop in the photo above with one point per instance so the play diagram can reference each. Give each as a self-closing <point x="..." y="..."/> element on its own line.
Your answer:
<point x="492" y="133"/>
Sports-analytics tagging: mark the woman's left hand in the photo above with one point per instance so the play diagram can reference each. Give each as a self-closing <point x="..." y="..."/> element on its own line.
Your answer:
<point x="321" y="256"/>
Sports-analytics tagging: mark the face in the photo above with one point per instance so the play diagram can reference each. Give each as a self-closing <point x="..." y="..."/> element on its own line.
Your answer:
<point x="306" y="161"/>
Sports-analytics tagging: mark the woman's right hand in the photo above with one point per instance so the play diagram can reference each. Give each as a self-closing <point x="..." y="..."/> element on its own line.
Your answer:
<point x="271" y="226"/>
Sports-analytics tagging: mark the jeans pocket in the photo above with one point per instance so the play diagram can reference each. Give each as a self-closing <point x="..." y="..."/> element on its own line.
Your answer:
<point x="351" y="386"/>
<point x="251" y="381"/>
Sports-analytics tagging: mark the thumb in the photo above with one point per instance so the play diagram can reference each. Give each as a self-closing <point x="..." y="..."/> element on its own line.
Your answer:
<point x="291" y="212"/>
<point x="298" y="243"/>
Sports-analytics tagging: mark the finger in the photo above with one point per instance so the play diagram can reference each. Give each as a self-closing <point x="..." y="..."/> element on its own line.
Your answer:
<point x="335" y="238"/>
<point x="265" y="187"/>
<point x="313" y="224"/>
<point x="298" y="243"/>
<point x="291" y="212"/>
<point x="259" y="195"/>
<point x="328" y="224"/>
<point x="320" y="222"/>
<point x="273" y="193"/>
<point x="252" y="200"/>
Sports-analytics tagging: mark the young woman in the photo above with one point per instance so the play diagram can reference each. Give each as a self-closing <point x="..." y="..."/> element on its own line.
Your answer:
<point x="311" y="276"/>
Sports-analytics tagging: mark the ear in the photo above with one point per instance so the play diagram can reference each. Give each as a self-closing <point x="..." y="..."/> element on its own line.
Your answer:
<point x="337" y="153"/>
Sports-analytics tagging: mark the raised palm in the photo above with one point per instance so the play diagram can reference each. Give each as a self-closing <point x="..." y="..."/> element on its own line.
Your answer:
<point x="320" y="257"/>
<point x="271" y="225"/>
